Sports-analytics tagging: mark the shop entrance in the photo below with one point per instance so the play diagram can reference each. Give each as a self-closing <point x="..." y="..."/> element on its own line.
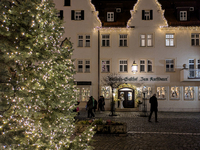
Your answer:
<point x="127" y="96"/>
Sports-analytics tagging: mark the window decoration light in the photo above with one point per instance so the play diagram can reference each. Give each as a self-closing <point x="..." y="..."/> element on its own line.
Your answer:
<point x="134" y="67"/>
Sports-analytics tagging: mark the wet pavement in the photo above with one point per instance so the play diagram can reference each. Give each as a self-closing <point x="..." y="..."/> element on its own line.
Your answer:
<point x="174" y="131"/>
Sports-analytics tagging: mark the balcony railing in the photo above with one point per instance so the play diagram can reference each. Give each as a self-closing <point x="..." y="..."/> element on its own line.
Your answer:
<point x="190" y="75"/>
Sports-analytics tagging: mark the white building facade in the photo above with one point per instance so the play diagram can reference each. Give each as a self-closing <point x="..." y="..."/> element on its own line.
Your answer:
<point x="168" y="57"/>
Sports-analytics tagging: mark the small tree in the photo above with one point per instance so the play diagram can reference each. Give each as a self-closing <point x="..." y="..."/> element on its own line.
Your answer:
<point x="113" y="80"/>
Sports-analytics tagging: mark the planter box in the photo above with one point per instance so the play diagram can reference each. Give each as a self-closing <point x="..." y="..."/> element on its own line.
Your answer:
<point x="104" y="129"/>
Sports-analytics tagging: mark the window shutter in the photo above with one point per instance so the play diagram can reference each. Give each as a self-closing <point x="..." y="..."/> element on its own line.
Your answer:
<point x="61" y="15"/>
<point x="178" y="15"/>
<point x="82" y="14"/>
<point x="143" y="15"/>
<point x="151" y="14"/>
<point x="72" y="14"/>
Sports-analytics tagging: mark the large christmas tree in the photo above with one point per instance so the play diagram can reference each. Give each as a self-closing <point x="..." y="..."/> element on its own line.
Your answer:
<point x="38" y="95"/>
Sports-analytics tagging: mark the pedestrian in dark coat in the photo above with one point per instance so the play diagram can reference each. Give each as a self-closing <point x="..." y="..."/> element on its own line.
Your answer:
<point x="100" y="104"/>
<point x="154" y="107"/>
<point x="90" y="106"/>
<point x="95" y="104"/>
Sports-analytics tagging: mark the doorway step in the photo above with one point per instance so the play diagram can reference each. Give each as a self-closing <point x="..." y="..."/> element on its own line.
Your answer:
<point x="127" y="109"/>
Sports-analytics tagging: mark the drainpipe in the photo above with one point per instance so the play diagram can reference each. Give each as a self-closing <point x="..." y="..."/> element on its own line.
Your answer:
<point x="98" y="62"/>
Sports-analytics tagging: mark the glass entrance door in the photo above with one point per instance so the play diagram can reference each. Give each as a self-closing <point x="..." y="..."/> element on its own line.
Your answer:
<point x="127" y="97"/>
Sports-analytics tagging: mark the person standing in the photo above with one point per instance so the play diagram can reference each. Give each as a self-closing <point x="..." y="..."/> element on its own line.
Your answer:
<point x="90" y="106"/>
<point x="154" y="107"/>
<point x="100" y="104"/>
<point x="103" y="103"/>
<point x="95" y="104"/>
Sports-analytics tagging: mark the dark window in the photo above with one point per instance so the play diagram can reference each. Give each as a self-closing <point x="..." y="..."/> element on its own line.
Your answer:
<point x="61" y="15"/>
<point x="77" y="15"/>
<point x="147" y="14"/>
<point x="67" y="3"/>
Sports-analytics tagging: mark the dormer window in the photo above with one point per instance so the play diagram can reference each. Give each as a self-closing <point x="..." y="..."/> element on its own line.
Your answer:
<point x="183" y="15"/>
<point x="147" y="14"/>
<point x="110" y="16"/>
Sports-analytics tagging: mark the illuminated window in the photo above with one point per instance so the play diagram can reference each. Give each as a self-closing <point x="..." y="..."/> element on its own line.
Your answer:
<point x="146" y="40"/>
<point x="123" y="40"/>
<point x="169" y="39"/>
<point x="161" y="93"/>
<point x="149" y="40"/>
<point x="189" y="93"/>
<point x="175" y="92"/>
<point x="142" y="40"/>
<point x="123" y="66"/>
<point x="83" y="93"/>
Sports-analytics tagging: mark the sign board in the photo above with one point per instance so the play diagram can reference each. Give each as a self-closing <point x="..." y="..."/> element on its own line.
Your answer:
<point x="146" y="78"/>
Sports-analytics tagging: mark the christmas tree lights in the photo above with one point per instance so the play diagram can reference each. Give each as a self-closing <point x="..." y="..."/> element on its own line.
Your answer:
<point x="37" y="107"/>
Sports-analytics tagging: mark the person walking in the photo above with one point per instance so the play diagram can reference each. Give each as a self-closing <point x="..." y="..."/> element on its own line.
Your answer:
<point x="90" y="106"/>
<point x="154" y="107"/>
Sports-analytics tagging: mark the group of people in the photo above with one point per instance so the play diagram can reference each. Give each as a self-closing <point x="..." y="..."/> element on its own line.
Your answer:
<point x="92" y="105"/>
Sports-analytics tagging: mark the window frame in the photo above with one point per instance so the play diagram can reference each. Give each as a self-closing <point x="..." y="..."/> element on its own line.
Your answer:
<point x="183" y="15"/>
<point x="144" y="41"/>
<point x="170" y="64"/>
<point x="107" y="66"/>
<point x="80" y="64"/>
<point x="105" y="41"/>
<point x="110" y="16"/>
<point x="147" y="14"/>
<point x="123" y="64"/>
<point x="142" y="64"/>
<point x="87" y="64"/>
<point x="171" y="39"/>
<point x="123" y="40"/>
<point x="149" y="64"/>
<point x="195" y="39"/>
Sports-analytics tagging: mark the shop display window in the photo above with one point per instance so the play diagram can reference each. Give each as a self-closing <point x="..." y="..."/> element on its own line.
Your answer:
<point x="161" y="92"/>
<point x="199" y="92"/>
<point x="105" y="91"/>
<point x="189" y="93"/>
<point x="175" y="92"/>
<point x="83" y="93"/>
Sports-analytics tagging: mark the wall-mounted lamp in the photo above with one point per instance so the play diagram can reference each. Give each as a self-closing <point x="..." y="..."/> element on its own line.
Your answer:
<point x="134" y="67"/>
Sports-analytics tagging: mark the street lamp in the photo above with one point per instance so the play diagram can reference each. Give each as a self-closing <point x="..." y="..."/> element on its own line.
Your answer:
<point x="134" y="67"/>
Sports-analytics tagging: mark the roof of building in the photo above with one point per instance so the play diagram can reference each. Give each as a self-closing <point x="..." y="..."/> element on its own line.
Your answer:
<point x="171" y="7"/>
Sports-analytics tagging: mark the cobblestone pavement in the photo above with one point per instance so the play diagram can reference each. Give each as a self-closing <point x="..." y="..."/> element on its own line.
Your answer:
<point x="174" y="131"/>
